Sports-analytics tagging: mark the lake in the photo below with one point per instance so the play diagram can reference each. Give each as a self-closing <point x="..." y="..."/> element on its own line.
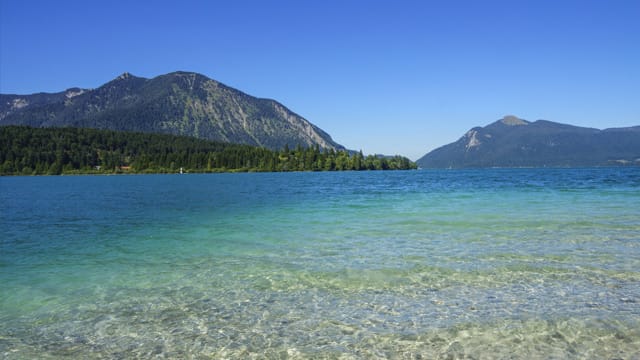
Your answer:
<point x="492" y="263"/>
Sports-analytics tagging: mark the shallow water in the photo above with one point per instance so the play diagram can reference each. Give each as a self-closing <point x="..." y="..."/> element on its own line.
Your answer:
<point x="500" y="263"/>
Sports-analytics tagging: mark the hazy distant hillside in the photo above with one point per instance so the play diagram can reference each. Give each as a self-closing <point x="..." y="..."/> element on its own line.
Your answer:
<point x="513" y="142"/>
<point x="179" y="103"/>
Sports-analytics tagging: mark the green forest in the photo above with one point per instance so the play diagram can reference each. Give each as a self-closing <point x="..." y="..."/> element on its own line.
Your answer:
<point x="55" y="151"/>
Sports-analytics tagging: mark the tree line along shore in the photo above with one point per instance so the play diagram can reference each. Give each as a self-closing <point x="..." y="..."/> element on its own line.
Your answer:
<point x="57" y="151"/>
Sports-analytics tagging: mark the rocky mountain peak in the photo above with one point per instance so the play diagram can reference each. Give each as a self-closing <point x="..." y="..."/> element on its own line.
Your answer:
<point x="179" y="103"/>
<point x="513" y="120"/>
<point x="125" y="75"/>
<point x="509" y="143"/>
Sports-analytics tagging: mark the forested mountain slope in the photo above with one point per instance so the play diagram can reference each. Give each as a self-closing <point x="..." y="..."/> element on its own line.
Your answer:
<point x="513" y="142"/>
<point x="179" y="103"/>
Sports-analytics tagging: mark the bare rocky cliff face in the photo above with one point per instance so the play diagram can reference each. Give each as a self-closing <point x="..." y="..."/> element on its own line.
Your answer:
<point x="179" y="103"/>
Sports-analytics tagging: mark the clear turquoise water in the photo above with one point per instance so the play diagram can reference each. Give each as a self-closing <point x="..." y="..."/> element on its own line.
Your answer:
<point x="440" y="264"/>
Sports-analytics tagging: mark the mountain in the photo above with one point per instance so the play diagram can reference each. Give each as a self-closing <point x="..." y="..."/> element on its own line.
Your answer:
<point x="513" y="142"/>
<point x="179" y="103"/>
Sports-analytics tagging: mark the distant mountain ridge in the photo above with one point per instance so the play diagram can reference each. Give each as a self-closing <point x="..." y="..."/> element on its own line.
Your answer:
<point x="178" y="103"/>
<point x="514" y="142"/>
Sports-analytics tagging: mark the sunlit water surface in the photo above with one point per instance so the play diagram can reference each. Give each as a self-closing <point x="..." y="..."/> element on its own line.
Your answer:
<point x="433" y="264"/>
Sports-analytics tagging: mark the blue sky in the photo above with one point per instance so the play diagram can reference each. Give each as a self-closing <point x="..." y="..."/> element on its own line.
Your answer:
<point x="392" y="77"/>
